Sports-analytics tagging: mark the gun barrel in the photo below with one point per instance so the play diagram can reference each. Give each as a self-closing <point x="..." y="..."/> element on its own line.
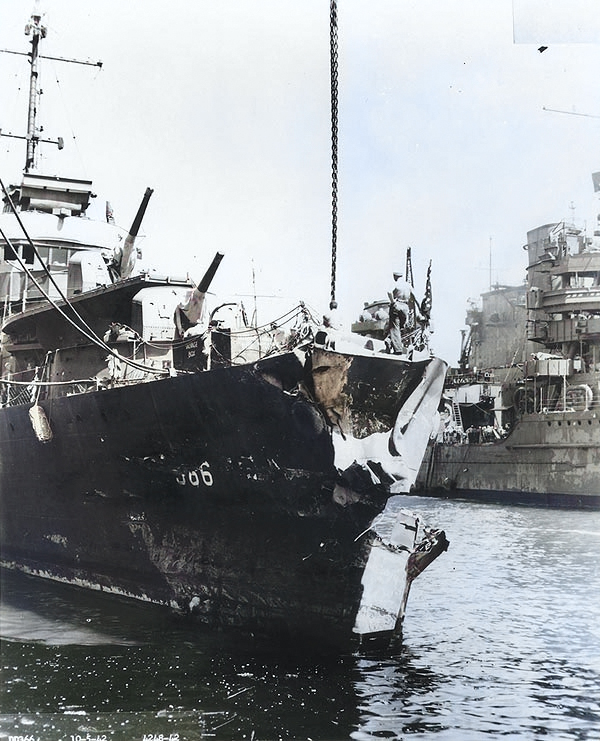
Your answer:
<point x="135" y="227"/>
<point x="210" y="273"/>
<point x="128" y="255"/>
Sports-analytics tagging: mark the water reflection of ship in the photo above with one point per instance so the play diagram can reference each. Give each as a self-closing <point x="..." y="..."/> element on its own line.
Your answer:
<point x="522" y="410"/>
<point x="391" y="696"/>
<point x="104" y="654"/>
<point x="45" y="613"/>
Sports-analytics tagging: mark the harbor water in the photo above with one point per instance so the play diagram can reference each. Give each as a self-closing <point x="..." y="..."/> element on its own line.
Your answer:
<point x="501" y="640"/>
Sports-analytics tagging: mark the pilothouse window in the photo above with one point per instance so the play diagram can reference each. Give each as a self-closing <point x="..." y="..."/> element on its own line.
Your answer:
<point x="24" y="251"/>
<point x="9" y="253"/>
<point x="43" y="252"/>
<point x="59" y="256"/>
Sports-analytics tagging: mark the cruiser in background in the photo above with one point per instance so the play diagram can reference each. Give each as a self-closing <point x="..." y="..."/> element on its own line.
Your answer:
<point x="521" y="416"/>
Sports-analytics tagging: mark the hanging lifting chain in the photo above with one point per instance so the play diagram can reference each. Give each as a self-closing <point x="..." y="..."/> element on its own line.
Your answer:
<point x="334" y="141"/>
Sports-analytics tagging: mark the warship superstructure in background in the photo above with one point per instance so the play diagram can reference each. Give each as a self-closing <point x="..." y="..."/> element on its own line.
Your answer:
<point x="522" y="411"/>
<point x="159" y="448"/>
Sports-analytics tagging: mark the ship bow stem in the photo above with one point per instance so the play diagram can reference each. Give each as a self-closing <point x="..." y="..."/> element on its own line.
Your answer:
<point x="399" y="539"/>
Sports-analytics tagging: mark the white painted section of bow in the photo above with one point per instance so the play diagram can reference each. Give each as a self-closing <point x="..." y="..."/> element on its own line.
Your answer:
<point x="385" y="583"/>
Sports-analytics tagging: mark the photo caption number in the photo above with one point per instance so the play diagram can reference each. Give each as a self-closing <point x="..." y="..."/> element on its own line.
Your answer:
<point x="195" y="477"/>
<point x="161" y="737"/>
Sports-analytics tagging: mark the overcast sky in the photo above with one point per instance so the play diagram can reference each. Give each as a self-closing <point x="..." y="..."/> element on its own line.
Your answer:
<point x="222" y="106"/>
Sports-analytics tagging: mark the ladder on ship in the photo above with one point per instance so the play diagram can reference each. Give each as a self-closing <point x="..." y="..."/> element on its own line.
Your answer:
<point x="456" y="415"/>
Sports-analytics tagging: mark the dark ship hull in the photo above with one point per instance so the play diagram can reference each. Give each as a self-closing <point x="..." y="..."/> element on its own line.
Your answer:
<point x="546" y="461"/>
<point x="215" y="493"/>
<point x="159" y="446"/>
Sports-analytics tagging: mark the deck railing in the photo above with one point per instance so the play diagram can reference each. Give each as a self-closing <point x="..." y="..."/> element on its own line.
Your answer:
<point x="14" y="392"/>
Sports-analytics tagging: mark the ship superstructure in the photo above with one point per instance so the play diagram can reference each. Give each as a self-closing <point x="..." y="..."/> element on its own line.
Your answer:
<point x="526" y="427"/>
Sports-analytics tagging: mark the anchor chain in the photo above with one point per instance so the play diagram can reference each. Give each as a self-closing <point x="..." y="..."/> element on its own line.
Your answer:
<point x="334" y="142"/>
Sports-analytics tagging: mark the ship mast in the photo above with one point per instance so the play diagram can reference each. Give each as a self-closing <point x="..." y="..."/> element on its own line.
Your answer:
<point x="37" y="31"/>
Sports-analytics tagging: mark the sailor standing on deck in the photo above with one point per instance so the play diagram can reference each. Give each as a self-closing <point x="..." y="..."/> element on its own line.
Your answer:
<point x="331" y="320"/>
<point x="399" y="312"/>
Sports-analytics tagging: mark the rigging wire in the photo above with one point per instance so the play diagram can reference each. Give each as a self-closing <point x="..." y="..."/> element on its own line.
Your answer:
<point x="82" y="327"/>
<point x="74" y="138"/>
<point x="283" y="319"/>
<point x="91" y="336"/>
